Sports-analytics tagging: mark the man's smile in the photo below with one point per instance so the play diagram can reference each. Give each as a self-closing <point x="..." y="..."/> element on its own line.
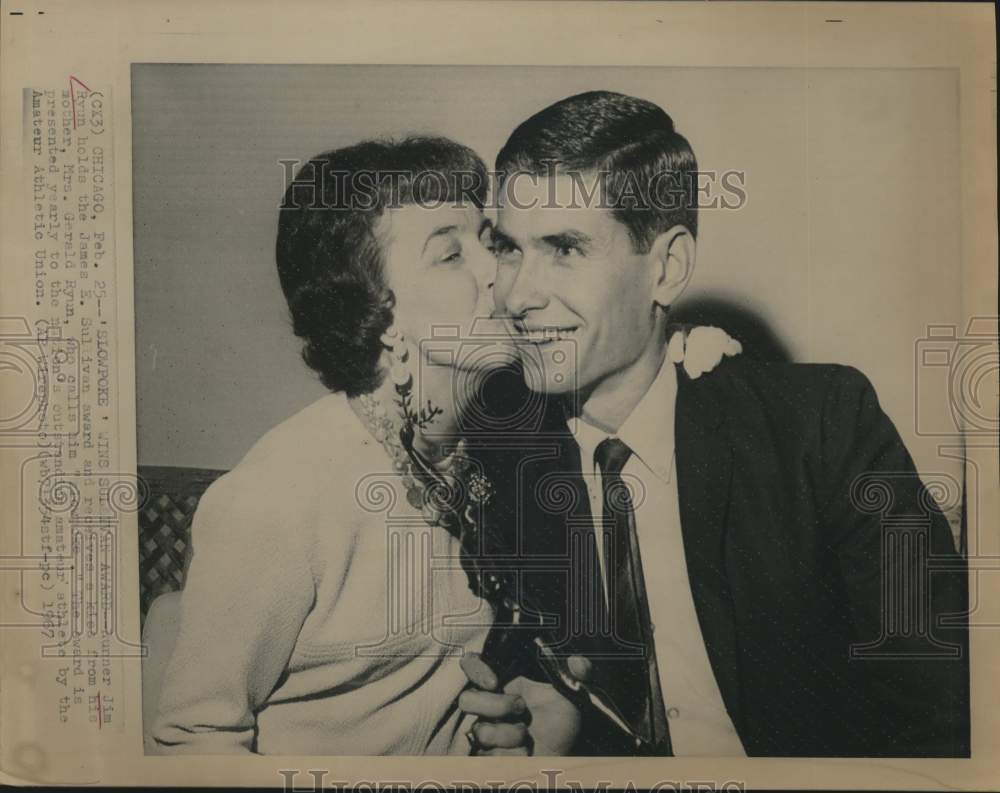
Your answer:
<point x="542" y="334"/>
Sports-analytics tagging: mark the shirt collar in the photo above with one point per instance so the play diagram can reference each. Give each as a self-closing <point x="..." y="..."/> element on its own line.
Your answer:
<point x="648" y="431"/>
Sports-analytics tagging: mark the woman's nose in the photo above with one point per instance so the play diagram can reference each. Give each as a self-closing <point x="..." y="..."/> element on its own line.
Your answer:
<point x="484" y="267"/>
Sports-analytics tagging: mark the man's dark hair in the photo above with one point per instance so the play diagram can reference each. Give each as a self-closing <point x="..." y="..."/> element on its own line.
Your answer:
<point x="629" y="140"/>
<point x="330" y="259"/>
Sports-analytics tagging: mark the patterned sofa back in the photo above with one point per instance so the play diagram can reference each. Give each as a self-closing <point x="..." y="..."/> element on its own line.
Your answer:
<point x="165" y="527"/>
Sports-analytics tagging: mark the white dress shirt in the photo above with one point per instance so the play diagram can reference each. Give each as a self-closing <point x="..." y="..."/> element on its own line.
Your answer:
<point x="698" y="720"/>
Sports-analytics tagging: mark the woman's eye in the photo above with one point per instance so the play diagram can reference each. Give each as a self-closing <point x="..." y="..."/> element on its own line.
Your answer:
<point x="454" y="256"/>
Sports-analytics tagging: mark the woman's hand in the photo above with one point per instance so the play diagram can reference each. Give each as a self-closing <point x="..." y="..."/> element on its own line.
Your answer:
<point x="527" y="717"/>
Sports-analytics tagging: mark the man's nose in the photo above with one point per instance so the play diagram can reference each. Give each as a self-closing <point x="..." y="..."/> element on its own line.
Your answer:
<point x="526" y="291"/>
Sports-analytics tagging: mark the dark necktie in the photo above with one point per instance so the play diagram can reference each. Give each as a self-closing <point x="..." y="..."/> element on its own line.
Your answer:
<point x="641" y="699"/>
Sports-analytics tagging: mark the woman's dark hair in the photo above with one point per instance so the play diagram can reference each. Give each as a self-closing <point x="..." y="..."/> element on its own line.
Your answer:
<point x="330" y="259"/>
<point x="649" y="170"/>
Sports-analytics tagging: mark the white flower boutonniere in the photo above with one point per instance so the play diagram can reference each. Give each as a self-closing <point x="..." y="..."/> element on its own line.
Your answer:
<point x="701" y="349"/>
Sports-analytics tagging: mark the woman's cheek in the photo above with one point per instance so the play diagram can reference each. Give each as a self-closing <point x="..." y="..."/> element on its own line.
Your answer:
<point x="445" y="299"/>
<point x="452" y="298"/>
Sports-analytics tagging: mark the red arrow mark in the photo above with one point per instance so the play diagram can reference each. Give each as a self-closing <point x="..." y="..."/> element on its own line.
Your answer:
<point x="72" y="94"/>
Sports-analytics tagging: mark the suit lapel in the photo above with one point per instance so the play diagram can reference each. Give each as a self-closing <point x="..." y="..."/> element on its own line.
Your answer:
<point x="704" y="479"/>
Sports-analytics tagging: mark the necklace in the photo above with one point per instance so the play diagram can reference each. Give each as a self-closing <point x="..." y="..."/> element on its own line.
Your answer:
<point x="387" y="432"/>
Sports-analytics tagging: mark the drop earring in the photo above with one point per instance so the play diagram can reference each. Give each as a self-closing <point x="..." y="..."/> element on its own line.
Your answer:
<point x="395" y="343"/>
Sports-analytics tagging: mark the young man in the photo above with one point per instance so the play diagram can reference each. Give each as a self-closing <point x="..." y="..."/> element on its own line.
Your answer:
<point x="749" y="572"/>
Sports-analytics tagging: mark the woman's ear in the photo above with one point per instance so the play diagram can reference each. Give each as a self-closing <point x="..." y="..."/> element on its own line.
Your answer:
<point x="673" y="255"/>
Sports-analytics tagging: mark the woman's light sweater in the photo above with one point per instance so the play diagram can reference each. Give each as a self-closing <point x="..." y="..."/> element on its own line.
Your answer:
<point x="320" y="614"/>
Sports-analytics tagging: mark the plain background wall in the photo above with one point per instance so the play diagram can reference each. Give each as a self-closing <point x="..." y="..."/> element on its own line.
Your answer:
<point x="846" y="250"/>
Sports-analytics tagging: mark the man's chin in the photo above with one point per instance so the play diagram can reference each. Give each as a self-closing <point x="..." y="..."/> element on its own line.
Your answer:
<point x="485" y="364"/>
<point x="550" y="368"/>
<point x="556" y="384"/>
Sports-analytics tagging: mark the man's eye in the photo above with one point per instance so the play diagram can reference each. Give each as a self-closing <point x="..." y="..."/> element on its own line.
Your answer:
<point x="565" y="251"/>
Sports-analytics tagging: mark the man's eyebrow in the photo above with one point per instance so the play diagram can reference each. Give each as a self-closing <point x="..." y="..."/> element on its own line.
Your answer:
<point x="568" y="239"/>
<point x="438" y="232"/>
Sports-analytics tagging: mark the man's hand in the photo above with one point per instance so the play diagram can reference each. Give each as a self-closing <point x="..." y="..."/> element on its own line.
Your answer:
<point x="525" y="718"/>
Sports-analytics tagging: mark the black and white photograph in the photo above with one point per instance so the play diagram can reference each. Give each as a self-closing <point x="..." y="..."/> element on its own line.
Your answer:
<point x="537" y="394"/>
<point x="502" y="410"/>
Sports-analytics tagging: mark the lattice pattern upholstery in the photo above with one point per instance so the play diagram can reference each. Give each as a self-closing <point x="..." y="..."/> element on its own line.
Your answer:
<point x="165" y="527"/>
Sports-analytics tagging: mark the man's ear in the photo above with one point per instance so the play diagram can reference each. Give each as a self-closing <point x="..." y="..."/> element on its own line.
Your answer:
<point x="672" y="256"/>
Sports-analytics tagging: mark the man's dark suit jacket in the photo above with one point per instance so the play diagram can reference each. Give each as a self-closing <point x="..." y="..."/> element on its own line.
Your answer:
<point x="827" y="586"/>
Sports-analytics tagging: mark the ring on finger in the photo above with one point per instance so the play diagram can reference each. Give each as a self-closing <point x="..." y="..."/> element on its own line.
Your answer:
<point x="473" y="739"/>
